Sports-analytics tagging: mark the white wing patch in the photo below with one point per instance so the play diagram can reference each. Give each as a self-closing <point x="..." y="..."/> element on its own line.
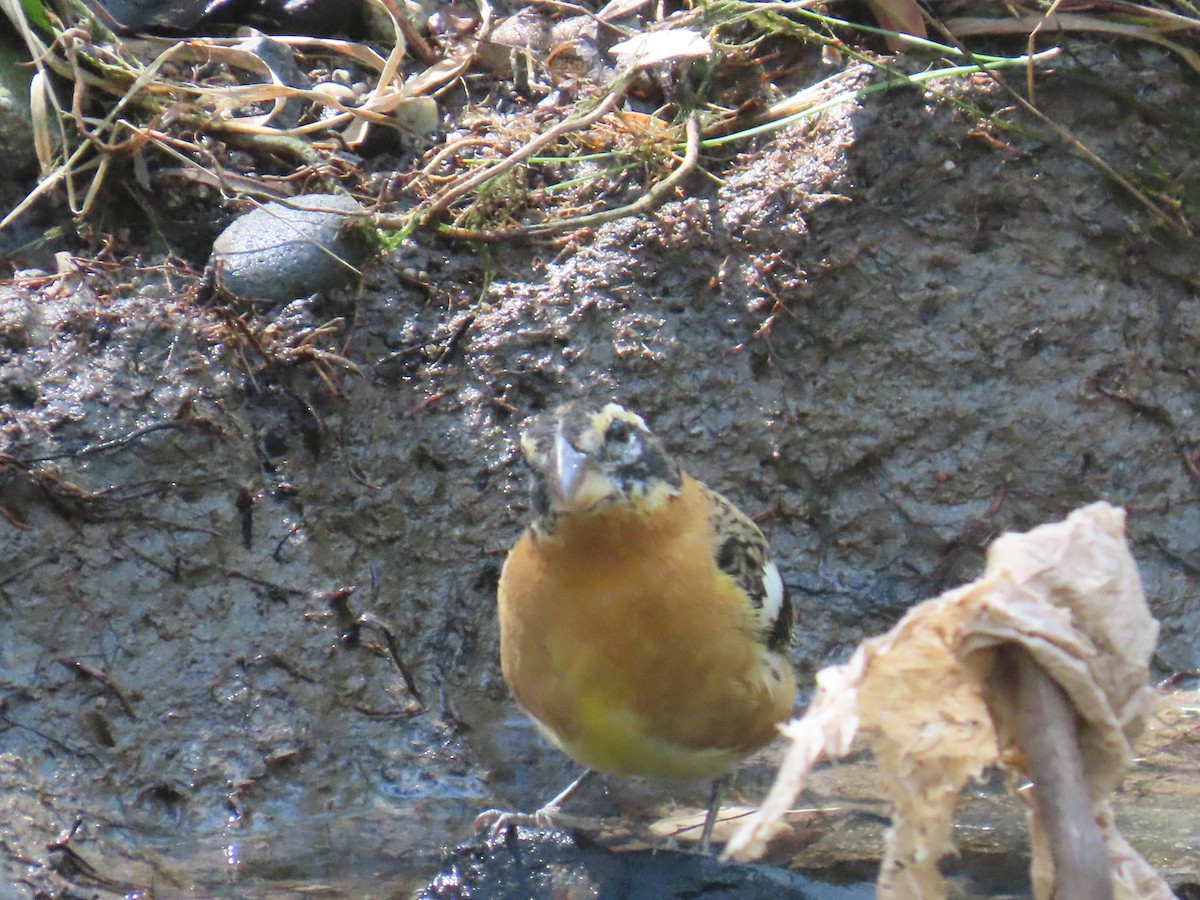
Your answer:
<point x="774" y="597"/>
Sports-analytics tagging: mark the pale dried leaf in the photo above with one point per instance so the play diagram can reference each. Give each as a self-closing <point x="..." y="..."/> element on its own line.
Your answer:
<point x="1070" y="594"/>
<point x="40" y="115"/>
<point x="655" y="47"/>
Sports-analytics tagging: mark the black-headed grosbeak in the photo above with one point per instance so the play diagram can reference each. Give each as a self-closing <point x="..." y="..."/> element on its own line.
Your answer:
<point x="642" y="625"/>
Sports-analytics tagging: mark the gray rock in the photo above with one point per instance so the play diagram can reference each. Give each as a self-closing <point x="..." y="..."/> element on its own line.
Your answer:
<point x="278" y="57"/>
<point x="279" y="252"/>
<point x="130" y="15"/>
<point x="16" y="124"/>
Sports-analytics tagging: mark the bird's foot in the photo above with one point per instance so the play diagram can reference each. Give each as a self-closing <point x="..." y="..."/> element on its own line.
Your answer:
<point x="497" y="821"/>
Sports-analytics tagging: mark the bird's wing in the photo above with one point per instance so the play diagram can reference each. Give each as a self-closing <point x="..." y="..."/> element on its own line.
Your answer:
<point x="741" y="551"/>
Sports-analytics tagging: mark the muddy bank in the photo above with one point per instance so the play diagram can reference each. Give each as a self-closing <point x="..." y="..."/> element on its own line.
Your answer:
<point x="891" y="334"/>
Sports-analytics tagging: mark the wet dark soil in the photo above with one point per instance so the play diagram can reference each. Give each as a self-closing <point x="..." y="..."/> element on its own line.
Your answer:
<point x="891" y="333"/>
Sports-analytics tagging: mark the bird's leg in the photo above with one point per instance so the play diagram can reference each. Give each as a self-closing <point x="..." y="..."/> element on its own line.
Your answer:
<point x="549" y="815"/>
<point x="714" y="808"/>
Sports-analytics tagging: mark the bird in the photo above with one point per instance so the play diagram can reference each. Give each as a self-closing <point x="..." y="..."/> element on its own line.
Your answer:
<point x="643" y="626"/>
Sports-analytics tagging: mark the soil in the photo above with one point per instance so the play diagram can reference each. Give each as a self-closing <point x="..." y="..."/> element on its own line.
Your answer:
<point x="891" y="332"/>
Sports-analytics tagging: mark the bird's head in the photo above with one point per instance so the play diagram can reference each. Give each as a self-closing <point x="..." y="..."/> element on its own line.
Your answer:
<point x="587" y="458"/>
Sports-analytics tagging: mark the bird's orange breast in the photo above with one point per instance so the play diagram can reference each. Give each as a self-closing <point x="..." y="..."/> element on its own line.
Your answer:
<point x="632" y="650"/>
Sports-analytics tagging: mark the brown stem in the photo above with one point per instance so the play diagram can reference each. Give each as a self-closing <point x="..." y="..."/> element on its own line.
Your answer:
<point x="1049" y="735"/>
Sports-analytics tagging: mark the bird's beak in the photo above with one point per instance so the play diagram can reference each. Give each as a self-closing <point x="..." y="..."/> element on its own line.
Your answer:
<point x="568" y="473"/>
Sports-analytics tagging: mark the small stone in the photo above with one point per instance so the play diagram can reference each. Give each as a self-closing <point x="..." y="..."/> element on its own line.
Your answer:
<point x="278" y="253"/>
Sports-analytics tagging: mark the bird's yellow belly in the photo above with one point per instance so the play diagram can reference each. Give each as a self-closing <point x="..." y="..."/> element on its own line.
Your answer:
<point x="637" y="663"/>
<point x="610" y="739"/>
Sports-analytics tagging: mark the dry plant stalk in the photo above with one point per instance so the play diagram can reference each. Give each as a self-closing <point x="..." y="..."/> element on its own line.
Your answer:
<point x="654" y="196"/>
<point x="157" y="107"/>
<point x="1068" y="594"/>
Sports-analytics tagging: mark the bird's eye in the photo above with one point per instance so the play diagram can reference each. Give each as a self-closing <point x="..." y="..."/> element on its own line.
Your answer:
<point x="618" y="432"/>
